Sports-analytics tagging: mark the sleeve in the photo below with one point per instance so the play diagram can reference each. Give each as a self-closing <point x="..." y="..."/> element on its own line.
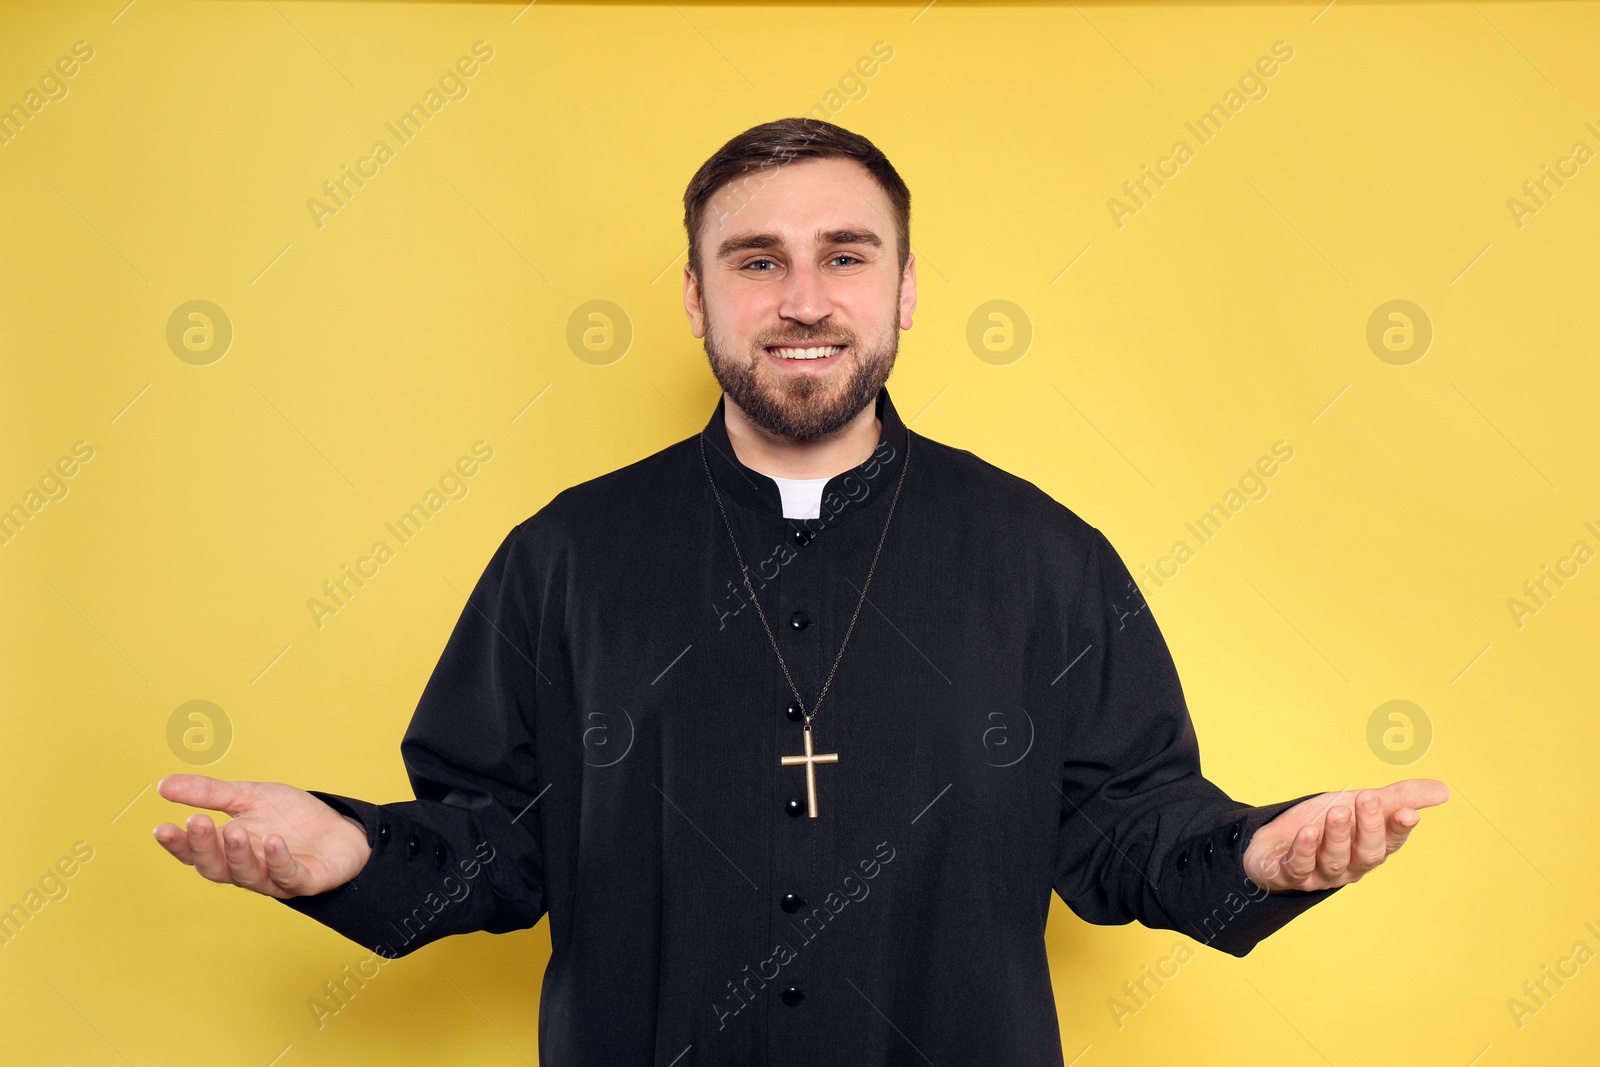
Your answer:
<point x="467" y="854"/>
<point x="1143" y="835"/>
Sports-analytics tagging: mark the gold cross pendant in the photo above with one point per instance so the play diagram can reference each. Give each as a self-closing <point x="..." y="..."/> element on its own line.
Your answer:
<point x="811" y="760"/>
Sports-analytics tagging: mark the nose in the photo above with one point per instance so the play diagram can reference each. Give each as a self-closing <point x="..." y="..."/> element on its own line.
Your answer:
<point x="805" y="294"/>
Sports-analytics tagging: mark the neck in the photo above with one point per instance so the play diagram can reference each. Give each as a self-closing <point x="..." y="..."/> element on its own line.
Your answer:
<point x="782" y="457"/>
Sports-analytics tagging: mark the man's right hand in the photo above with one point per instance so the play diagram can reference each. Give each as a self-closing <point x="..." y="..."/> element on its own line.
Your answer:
<point x="281" y="841"/>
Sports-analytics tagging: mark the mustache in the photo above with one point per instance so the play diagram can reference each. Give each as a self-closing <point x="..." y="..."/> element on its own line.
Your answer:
<point x="816" y="341"/>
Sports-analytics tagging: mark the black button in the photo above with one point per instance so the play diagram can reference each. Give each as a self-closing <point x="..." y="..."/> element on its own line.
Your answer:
<point x="803" y="536"/>
<point x="1209" y="850"/>
<point x="799" y="620"/>
<point x="383" y="834"/>
<point x="792" y="903"/>
<point x="795" y="806"/>
<point x="1235" y="833"/>
<point x="439" y="854"/>
<point x="793" y="996"/>
<point x="413" y="845"/>
<point x="1183" y="860"/>
<point x="794" y="713"/>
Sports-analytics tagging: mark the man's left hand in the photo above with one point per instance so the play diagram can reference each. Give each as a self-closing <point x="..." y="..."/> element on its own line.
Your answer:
<point x="1334" y="838"/>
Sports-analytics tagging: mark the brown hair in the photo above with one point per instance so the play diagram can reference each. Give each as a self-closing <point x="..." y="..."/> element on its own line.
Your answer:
<point x="771" y="145"/>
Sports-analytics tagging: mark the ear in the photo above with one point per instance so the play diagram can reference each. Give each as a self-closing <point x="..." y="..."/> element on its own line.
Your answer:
<point x="908" y="292"/>
<point x="692" y="305"/>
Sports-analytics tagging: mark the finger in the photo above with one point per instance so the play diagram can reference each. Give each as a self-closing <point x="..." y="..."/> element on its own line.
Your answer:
<point x="204" y="850"/>
<point x="245" y="868"/>
<point x="1302" y="857"/>
<point x="1372" y="842"/>
<point x="1400" y="825"/>
<point x="283" y="869"/>
<point x="1333" y="858"/>
<point x="203" y="791"/>
<point x="1414" y="793"/>
<point x="173" y="838"/>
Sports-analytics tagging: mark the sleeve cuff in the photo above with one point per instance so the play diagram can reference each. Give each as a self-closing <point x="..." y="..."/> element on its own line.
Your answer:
<point x="359" y="908"/>
<point x="1219" y="905"/>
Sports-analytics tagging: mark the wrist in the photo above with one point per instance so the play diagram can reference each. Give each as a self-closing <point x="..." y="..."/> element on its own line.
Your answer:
<point x="1252" y="869"/>
<point x="363" y="849"/>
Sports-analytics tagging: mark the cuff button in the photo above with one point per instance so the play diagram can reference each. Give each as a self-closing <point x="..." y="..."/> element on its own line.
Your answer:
<point x="383" y="835"/>
<point x="413" y="846"/>
<point x="1209" y="850"/>
<point x="439" y="854"/>
<point x="1235" y="833"/>
<point x="1183" y="860"/>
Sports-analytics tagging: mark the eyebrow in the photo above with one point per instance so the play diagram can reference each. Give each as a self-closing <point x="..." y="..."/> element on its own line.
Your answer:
<point x="745" y="242"/>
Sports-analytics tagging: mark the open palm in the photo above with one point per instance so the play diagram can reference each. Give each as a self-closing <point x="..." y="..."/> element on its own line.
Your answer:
<point x="1332" y="839"/>
<point x="281" y="841"/>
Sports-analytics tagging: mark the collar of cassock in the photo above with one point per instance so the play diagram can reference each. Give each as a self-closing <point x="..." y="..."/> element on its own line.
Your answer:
<point x="859" y="488"/>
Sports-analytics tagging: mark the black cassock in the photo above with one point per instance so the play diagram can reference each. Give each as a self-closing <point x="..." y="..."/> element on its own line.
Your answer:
<point x="600" y="742"/>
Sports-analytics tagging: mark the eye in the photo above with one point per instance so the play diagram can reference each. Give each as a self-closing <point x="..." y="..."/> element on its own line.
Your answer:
<point x="753" y="262"/>
<point x="845" y="255"/>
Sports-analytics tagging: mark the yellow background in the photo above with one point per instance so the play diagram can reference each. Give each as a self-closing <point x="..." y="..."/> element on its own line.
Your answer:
<point x="368" y="354"/>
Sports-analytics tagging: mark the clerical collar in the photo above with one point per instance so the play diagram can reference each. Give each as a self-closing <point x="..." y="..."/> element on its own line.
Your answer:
<point x="862" y="486"/>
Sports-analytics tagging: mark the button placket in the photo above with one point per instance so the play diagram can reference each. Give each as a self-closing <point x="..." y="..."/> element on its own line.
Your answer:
<point x="793" y="861"/>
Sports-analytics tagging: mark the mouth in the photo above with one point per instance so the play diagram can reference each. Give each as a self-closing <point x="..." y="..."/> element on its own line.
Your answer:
<point x="806" y="353"/>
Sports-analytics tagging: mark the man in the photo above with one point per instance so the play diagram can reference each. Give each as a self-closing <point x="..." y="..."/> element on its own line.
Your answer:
<point x="792" y="727"/>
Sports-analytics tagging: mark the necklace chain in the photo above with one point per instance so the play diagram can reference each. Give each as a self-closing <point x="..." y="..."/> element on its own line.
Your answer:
<point x="745" y="573"/>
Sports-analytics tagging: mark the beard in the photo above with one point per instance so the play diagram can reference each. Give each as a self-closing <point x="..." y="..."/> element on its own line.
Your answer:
<point x="802" y="407"/>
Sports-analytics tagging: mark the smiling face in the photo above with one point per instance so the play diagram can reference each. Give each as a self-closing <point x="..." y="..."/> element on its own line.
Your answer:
<point x="801" y="299"/>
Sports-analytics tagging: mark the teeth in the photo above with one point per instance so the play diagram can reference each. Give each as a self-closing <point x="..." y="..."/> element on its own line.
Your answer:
<point x="808" y="353"/>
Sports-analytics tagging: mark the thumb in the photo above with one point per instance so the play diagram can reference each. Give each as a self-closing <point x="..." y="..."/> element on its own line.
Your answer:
<point x="203" y="791"/>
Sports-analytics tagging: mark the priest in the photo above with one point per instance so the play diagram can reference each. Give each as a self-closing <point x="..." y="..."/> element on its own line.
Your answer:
<point x="792" y="727"/>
